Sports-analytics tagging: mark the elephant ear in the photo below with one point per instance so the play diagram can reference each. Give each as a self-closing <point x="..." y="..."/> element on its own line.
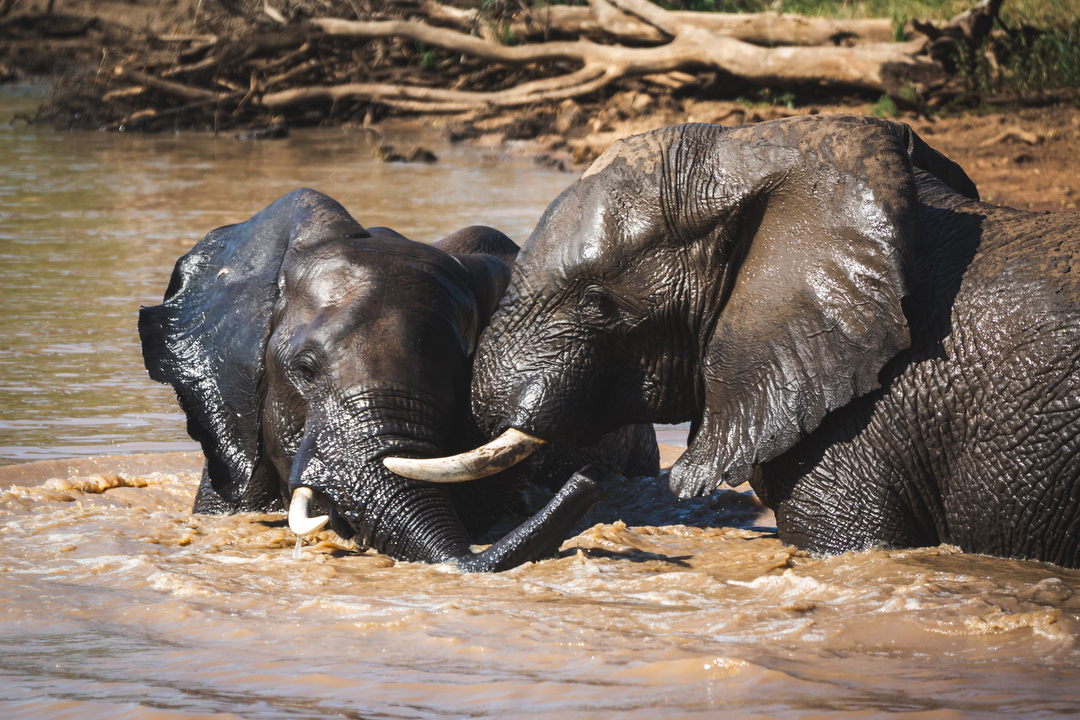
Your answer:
<point x="488" y="277"/>
<point x="930" y="160"/>
<point x="487" y="257"/>
<point x="480" y="239"/>
<point x="820" y="219"/>
<point x="208" y="338"/>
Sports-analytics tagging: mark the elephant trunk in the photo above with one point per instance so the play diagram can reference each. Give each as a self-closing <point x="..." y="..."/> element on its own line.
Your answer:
<point x="542" y="534"/>
<point x="416" y="521"/>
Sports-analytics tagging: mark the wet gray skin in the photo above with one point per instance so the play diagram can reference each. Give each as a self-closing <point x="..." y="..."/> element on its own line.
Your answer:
<point x="887" y="360"/>
<point x="304" y="349"/>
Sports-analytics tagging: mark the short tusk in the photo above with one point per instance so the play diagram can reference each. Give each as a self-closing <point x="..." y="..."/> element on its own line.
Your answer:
<point x="503" y="452"/>
<point x="299" y="521"/>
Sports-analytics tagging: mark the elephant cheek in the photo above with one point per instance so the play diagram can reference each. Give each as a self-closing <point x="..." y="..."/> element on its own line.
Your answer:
<point x="533" y="400"/>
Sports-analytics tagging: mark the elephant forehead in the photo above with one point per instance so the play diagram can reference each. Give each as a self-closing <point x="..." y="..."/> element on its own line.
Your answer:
<point x="335" y="271"/>
<point x="639" y="152"/>
<point x="330" y="281"/>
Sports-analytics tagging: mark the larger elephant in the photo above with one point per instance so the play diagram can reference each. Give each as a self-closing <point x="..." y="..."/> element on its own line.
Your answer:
<point x="887" y="360"/>
<point x="305" y="348"/>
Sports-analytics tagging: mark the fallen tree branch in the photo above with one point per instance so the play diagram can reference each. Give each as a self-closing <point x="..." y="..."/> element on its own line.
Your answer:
<point x="873" y="66"/>
<point x="422" y="56"/>
<point x="184" y="92"/>
<point x="143" y="115"/>
<point x="1034" y="99"/>
<point x="6" y="6"/>
<point x="601" y="18"/>
<point x="438" y="100"/>
<point x="204" y="64"/>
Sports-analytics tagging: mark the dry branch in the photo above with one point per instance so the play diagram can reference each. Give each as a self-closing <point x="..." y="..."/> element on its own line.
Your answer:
<point x="873" y="66"/>
<point x="422" y="56"/>
<point x="184" y="92"/>
<point x="601" y="18"/>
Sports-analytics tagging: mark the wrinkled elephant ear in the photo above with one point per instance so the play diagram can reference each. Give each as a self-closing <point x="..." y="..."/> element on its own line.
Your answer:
<point x="821" y="218"/>
<point x="480" y="239"/>
<point x="208" y="338"/>
<point x="487" y="256"/>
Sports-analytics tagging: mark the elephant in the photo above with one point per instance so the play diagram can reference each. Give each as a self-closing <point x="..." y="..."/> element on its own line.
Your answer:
<point x="887" y="360"/>
<point x="304" y="348"/>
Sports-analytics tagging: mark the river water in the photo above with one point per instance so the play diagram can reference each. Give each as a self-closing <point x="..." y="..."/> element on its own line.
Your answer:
<point x="115" y="601"/>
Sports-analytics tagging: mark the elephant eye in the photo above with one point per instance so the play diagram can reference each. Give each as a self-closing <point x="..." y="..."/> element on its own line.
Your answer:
<point x="599" y="304"/>
<point x="304" y="368"/>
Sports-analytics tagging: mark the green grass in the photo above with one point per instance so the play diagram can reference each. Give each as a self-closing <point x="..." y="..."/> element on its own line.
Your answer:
<point x="1056" y="15"/>
<point x="884" y="107"/>
<point x="1027" y="61"/>
<point x="1023" y="59"/>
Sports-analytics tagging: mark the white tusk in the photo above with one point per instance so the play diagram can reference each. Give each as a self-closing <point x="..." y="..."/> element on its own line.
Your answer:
<point x="503" y="452"/>
<point x="299" y="522"/>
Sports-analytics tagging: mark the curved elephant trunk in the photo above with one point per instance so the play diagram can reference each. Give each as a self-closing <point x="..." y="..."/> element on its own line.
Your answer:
<point x="542" y="534"/>
<point x="416" y="521"/>
<point x="500" y="454"/>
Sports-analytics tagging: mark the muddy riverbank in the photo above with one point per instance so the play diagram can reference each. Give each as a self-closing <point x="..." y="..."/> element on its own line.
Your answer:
<point x="1018" y="155"/>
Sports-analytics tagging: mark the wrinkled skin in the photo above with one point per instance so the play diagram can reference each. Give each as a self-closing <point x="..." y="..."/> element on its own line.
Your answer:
<point x="304" y="349"/>
<point x="886" y="359"/>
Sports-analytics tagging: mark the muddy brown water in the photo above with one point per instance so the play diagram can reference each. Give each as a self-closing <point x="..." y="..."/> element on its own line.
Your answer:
<point x="115" y="601"/>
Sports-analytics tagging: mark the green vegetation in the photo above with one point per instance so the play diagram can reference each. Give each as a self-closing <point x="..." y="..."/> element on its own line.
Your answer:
<point x="427" y="55"/>
<point x="1054" y="15"/>
<point x="768" y="97"/>
<point x="884" y="107"/>
<point x="1024" y="60"/>
<point x="899" y="20"/>
<point x="1037" y="46"/>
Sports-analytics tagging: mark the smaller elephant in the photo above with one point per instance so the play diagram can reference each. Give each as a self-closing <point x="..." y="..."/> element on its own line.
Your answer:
<point x="304" y="349"/>
<point x="887" y="360"/>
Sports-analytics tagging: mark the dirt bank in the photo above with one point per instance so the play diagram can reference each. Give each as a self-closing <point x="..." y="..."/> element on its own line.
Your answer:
<point x="1029" y="158"/>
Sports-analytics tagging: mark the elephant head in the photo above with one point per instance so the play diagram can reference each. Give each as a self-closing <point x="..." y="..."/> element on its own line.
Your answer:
<point x="747" y="279"/>
<point x="304" y="349"/>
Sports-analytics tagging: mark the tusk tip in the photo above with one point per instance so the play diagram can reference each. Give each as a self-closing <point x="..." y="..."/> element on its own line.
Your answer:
<point x="299" y="522"/>
<point x="398" y="466"/>
<point x="306" y="526"/>
<point x="503" y="452"/>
